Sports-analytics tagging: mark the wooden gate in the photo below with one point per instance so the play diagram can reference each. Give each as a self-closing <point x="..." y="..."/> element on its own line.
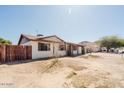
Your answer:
<point x="11" y="53"/>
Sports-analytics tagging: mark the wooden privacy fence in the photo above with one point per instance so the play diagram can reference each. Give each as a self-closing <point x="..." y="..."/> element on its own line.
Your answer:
<point x="9" y="53"/>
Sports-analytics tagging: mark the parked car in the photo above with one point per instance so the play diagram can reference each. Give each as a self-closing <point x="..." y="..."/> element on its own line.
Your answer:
<point x="120" y="50"/>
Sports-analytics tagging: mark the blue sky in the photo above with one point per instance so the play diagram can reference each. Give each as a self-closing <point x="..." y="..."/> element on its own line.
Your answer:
<point x="71" y="23"/>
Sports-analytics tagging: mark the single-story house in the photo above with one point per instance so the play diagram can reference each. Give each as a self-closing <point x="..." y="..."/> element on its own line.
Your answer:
<point x="49" y="46"/>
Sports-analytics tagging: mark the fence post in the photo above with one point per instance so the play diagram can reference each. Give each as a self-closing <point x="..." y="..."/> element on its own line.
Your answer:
<point x="3" y="53"/>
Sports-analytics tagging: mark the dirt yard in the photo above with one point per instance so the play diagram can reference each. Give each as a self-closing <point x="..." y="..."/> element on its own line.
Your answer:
<point x="98" y="70"/>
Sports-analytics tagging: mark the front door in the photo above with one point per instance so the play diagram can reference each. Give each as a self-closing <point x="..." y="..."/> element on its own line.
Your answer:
<point x="55" y="50"/>
<point x="83" y="50"/>
<point x="69" y="50"/>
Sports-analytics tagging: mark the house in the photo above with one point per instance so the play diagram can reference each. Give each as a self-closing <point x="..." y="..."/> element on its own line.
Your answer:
<point x="90" y="46"/>
<point x="49" y="46"/>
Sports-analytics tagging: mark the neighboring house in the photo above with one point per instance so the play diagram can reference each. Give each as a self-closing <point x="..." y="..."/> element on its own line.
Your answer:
<point x="90" y="46"/>
<point x="50" y="46"/>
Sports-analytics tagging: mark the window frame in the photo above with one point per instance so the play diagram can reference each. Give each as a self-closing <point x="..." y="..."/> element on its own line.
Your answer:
<point x="43" y="47"/>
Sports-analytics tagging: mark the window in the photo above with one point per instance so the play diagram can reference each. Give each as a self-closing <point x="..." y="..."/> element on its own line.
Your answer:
<point x="43" y="47"/>
<point x="62" y="47"/>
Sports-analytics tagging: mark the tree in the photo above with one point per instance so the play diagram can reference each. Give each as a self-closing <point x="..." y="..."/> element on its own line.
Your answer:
<point x="121" y="42"/>
<point x="111" y="42"/>
<point x="5" y="42"/>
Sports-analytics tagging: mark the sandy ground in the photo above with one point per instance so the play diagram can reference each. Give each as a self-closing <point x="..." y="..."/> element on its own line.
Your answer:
<point x="96" y="70"/>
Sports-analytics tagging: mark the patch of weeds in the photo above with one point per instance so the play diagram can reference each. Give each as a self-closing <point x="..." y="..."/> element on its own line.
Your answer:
<point x="88" y="80"/>
<point x="83" y="81"/>
<point x="71" y="74"/>
<point x="106" y="83"/>
<point x="54" y="64"/>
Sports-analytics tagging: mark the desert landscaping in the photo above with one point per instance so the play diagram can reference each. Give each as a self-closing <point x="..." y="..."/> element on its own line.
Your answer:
<point x="99" y="70"/>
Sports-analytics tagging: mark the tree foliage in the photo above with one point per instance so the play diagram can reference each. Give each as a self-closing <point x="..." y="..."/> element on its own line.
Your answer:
<point x="111" y="42"/>
<point x="5" y="42"/>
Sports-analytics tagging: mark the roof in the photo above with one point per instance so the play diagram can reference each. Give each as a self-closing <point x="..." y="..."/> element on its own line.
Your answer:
<point x="36" y="38"/>
<point x="74" y="44"/>
<point x="39" y="38"/>
<point x="30" y="37"/>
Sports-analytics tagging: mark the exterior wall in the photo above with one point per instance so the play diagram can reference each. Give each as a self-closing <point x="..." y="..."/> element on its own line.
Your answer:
<point x="79" y="50"/>
<point x="40" y="54"/>
<point x="27" y="43"/>
<point x="57" y="52"/>
<point x="23" y="41"/>
<point x="62" y="53"/>
<point x="75" y="52"/>
<point x="53" y="52"/>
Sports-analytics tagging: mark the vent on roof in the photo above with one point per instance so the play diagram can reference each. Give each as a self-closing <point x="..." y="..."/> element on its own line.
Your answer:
<point x="39" y="35"/>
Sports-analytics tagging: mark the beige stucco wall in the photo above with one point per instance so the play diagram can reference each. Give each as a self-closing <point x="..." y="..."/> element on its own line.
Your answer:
<point x="23" y="41"/>
<point x="79" y="50"/>
<point x="27" y="43"/>
<point x="53" y="52"/>
<point x="40" y="54"/>
<point x="45" y="54"/>
<point x="75" y="52"/>
<point x="57" y="52"/>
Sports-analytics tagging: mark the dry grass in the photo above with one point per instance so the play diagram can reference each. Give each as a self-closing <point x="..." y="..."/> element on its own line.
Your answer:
<point x="82" y="81"/>
<point x="88" y="80"/>
<point x="97" y="80"/>
<point x="78" y="72"/>
<point x="54" y="64"/>
<point x="71" y="74"/>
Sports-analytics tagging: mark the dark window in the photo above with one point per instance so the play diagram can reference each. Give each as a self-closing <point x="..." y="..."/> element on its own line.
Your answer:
<point x="43" y="47"/>
<point x="62" y="47"/>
